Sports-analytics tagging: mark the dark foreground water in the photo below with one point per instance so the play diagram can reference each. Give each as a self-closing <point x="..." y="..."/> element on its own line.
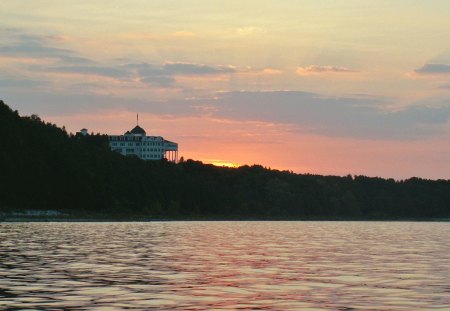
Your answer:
<point x="225" y="266"/>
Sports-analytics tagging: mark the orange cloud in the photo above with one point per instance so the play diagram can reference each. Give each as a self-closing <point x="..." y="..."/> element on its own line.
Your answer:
<point x="315" y="69"/>
<point x="11" y="59"/>
<point x="271" y="71"/>
<point x="156" y="36"/>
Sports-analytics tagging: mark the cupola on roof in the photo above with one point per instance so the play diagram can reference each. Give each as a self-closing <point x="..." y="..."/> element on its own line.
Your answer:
<point x="138" y="130"/>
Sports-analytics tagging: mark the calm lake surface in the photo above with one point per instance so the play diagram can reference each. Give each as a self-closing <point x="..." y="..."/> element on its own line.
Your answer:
<point x="225" y="266"/>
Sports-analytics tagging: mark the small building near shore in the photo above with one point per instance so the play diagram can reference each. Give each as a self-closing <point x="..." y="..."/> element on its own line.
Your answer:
<point x="83" y="132"/>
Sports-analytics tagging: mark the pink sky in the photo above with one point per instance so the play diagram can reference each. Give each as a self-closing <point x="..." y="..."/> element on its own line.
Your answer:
<point x="278" y="146"/>
<point x="336" y="87"/>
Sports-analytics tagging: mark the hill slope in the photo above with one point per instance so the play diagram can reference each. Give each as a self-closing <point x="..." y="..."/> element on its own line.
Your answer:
<point x="44" y="168"/>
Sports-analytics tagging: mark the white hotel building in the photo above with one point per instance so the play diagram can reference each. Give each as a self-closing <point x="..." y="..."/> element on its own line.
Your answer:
<point x="137" y="143"/>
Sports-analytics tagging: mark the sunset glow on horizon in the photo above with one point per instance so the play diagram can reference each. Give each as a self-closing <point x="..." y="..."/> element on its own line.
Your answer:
<point x="222" y="163"/>
<point x="322" y="87"/>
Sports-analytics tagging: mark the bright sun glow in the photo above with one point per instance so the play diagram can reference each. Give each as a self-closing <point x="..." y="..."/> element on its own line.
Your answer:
<point x="223" y="163"/>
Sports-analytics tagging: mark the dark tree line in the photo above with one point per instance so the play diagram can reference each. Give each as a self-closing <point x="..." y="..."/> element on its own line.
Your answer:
<point x="43" y="167"/>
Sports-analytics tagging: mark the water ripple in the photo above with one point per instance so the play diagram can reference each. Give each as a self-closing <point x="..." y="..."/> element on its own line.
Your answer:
<point x="225" y="266"/>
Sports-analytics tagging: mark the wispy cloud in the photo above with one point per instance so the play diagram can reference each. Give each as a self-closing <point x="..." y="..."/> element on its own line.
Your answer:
<point x="20" y="83"/>
<point x="271" y="71"/>
<point x="249" y="30"/>
<point x="165" y="74"/>
<point x="316" y="69"/>
<point x="67" y="61"/>
<point x="195" y="69"/>
<point x="361" y="117"/>
<point x="158" y="80"/>
<point x="111" y="72"/>
<point x="434" y="69"/>
<point x="357" y="117"/>
<point x="152" y="74"/>
<point x="153" y="36"/>
<point x="19" y="44"/>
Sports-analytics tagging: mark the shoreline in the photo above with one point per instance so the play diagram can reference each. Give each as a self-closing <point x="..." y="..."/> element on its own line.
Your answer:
<point x="92" y="220"/>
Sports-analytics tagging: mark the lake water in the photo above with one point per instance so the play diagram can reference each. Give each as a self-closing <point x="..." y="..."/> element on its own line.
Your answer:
<point x="225" y="266"/>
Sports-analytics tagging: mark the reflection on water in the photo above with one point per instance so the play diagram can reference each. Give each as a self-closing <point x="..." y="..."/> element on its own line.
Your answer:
<point x="225" y="266"/>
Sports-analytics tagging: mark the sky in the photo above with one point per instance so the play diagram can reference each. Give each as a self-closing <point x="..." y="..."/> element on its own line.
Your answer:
<point x="321" y="87"/>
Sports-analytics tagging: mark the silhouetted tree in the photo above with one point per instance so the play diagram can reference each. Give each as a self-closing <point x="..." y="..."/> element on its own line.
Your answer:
<point x="44" y="167"/>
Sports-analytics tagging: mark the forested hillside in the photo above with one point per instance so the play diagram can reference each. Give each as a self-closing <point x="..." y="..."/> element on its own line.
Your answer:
<point x="44" y="168"/>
